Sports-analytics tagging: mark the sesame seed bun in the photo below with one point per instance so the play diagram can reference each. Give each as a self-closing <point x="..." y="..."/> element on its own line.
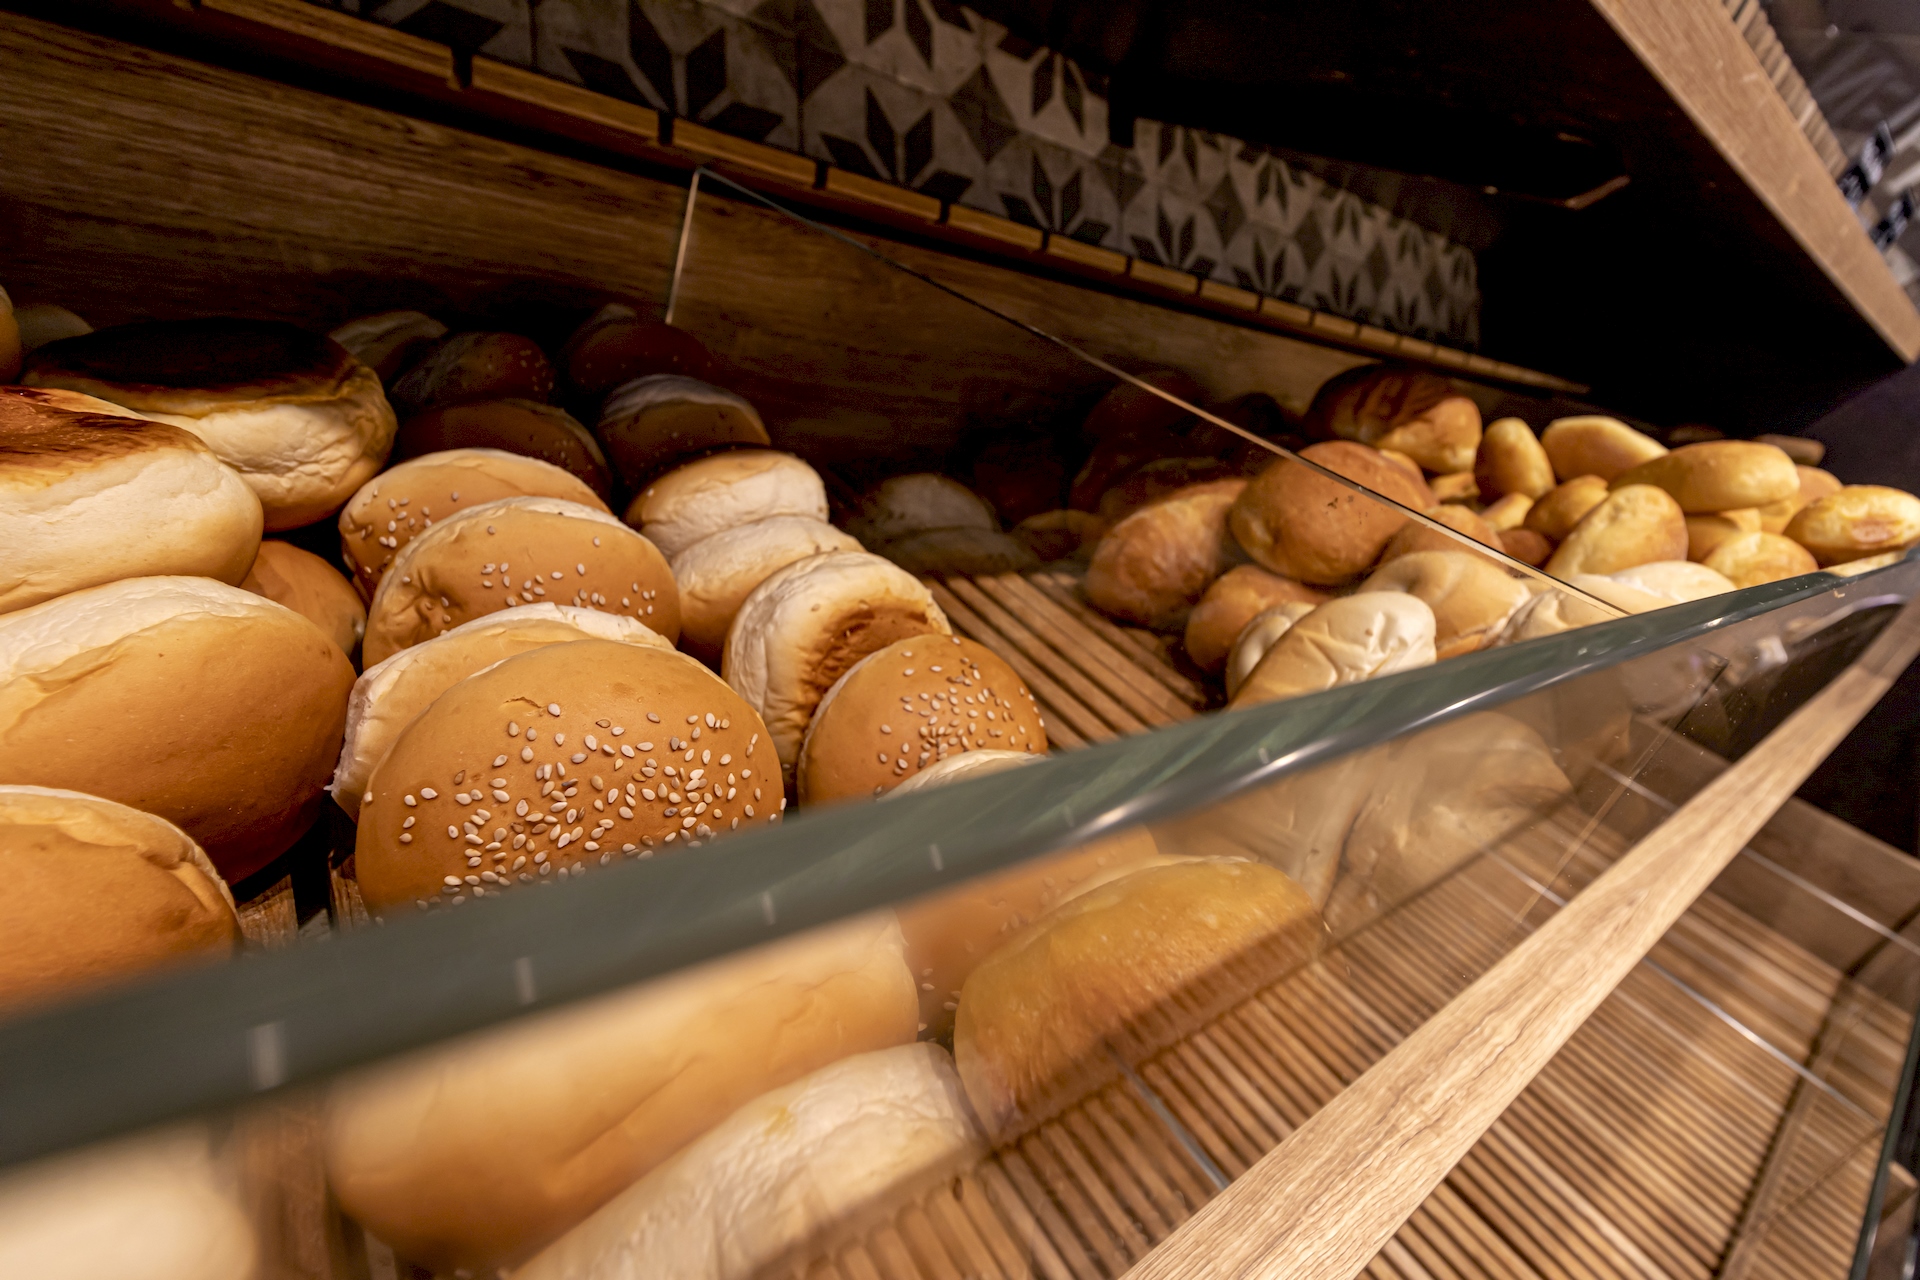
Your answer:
<point x="725" y="491"/>
<point x="639" y="749"/>
<point x="652" y="423"/>
<point x="310" y="587"/>
<point x="966" y="764"/>
<point x="391" y="509"/>
<point x="470" y="367"/>
<point x="388" y="696"/>
<point x="518" y="551"/>
<point x="391" y="342"/>
<point x="206" y="705"/>
<point x="921" y="700"/>
<point x="718" y="573"/>
<point x="525" y="428"/>
<point x="98" y="892"/>
<point x="88" y="498"/>
<point x="901" y="506"/>
<point x="807" y="625"/>
<point x="303" y="422"/>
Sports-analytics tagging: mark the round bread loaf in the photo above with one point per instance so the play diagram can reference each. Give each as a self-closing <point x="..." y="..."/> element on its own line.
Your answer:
<point x="398" y="504"/>
<point x="1471" y="597"/>
<point x="907" y="706"/>
<point x="310" y="587"/>
<point x="1596" y="446"/>
<point x="518" y="551"/>
<point x="1062" y="535"/>
<point x="1234" y="599"/>
<point x="1404" y="409"/>
<point x="88" y="498"/>
<point x="805" y="626"/>
<point x="1678" y="580"/>
<point x="1344" y="641"/>
<point x="389" y="694"/>
<point x="1858" y="520"/>
<point x="525" y="428"/>
<point x="718" y="573"/>
<point x="1866" y="564"/>
<point x="1261" y="633"/>
<point x="1753" y="558"/>
<point x="725" y="491"/>
<point x="639" y="747"/>
<point x="1507" y="513"/>
<point x="1458" y="488"/>
<point x="1414" y="536"/>
<point x="391" y="342"/>
<point x="901" y="506"/>
<point x="1554" y="516"/>
<point x="615" y="346"/>
<point x="653" y="423"/>
<point x="603" y="1092"/>
<point x="950" y="551"/>
<point x="98" y="892"/>
<point x="225" y="709"/>
<point x="1130" y="409"/>
<point x="1152" y="567"/>
<point x="44" y="322"/>
<point x="1814" y="483"/>
<point x="1705" y="532"/>
<point x="1512" y="461"/>
<point x="470" y="367"/>
<point x="1302" y="525"/>
<point x="11" y="348"/>
<point x="1718" y="475"/>
<point x="1634" y="525"/>
<point x="1159" y="479"/>
<point x="1526" y="546"/>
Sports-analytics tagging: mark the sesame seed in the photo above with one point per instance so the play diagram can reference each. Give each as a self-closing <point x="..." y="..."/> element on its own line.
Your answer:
<point x="559" y="739"/>
<point x="593" y="743"/>
<point x="498" y="761"/>
<point x="453" y="832"/>
<point x="526" y="755"/>
<point x="556" y="575"/>
<point x="553" y="708"/>
<point x="618" y="730"/>
<point x="654" y="718"/>
<point x="412" y="803"/>
<point x="579" y="569"/>
<point x="428" y="793"/>
<point x="406" y="839"/>
<point x="452" y="880"/>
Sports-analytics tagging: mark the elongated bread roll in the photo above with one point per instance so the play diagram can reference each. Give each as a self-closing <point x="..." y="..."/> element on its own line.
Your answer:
<point x="1404" y="409"/>
<point x="1719" y="475"/>
<point x="1152" y="567"/>
<point x="1261" y="633"/>
<point x="1596" y="446"/>
<point x="1307" y="527"/>
<point x="1636" y="524"/>
<point x="1235" y="599"/>
<point x="1512" y="461"/>
<point x="1858" y="520"/>
<point x="1565" y="505"/>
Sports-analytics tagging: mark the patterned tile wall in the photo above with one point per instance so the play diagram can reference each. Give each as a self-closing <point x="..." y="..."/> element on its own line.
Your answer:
<point x="929" y="95"/>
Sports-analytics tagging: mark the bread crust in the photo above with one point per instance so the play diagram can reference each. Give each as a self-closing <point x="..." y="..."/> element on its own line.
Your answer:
<point x="1230" y="603"/>
<point x="1634" y="525"/>
<point x="526" y="428"/>
<point x="1719" y="475"/>
<point x="725" y="491"/>
<point x="1857" y="521"/>
<point x="1512" y="460"/>
<point x="312" y="588"/>
<point x="1749" y="559"/>
<point x="1593" y="445"/>
<point x="653" y="423"/>
<point x="718" y="573"/>
<point x="1153" y="567"/>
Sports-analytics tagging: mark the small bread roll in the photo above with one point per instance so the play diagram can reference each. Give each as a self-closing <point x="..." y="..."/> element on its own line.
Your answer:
<point x="1596" y="446"/>
<point x="1814" y="483"/>
<point x="615" y="346"/>
<point x="970" y="551"/>
<point x="1260" y="634"/>
<point x="1752" y="558"/>
<point x="1159" y="479"/>
<point x="303" y="422"/>
<point x="1344" y="641"/>
<point x="390" y="342"/>
<point x="1035" y="1015"/>
<point x="1718" y="475"/>
<point x="421" y="1152"/>
<point x="527" y="428"/>
<point x="1471" y="597"/>
<point x="1552" y="612"/>
<point x="717" y="573"/>
<point x="518" y="551"/>
<point x="1061" y="535"/>
<point x="1526" y="546"/>
<point x="1152" y="567"/>
<point x="44" y="322"/>
<point x="652" y="423"/>
<point x="89" y="498"/>
<point x="403" y="501"/>
<point x="310" y="587"/>
<point x="1460" y="488"/>
<point x="806" y="626"/>
<point x="1396" y="407"/>
<point x="1305" y="526"/>
<point x="10" y="346"/>
<point x="470" y="367"/>
<point x="1235" y="599"/>
<point x="389" y="694"/>
<point x="1678" y="580"/>
<point x="1507" y="513"/>
<point x="910" y="705"/>
<point x="1858" y="520"/>
<point x="1705" y="532"/>
<point x="1406" y="464"/>
<point x="904" y="505"/>
<point x="97" y="893"/>
<point x="1414" y="536"/>
<point x="203" y="704"/>
<point x="1633" y="526"/>
<point x="1554" y="516"/>
<point x="1512" y="461"/>
<point x="725" y="491"/>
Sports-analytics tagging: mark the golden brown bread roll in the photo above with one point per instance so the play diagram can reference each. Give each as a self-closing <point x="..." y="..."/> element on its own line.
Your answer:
<point x="1461" y="487"/>
<point x="725" y="491"/>
<point x="1526" y="546"/>
<point x="1404" y="409"/>
<point x="1749" y="559"/>
<point x="1305" y="526"/>
<point x="390" y="342"/>
<point x="1814" y="483"/>
<point x="1512" y="461"/>
<point x="652" y="423"/>
<point x="1554" y="516"/>
<point x="1858" y="520"/>
<point x="1633" y="526"/>
<point x="716" y="574"/>
<point x="1718" y="475"/>
<point x="1261" y="633"/>
<point x="1406" y="464"/>
<point x="1705" y="532"/>
<point x="1344" y="641"/>
<point x="1414" y="536"/>
<point x="1471" y="596"/>
<point x="1596" y="446"/>
<point x="1153" y="567"/>
<point x="615" y="346"/>
<point x="470" y="367"/>
<point x="527" y="428"/>
<point x="1507" y="513"/>
<point x="1061" y="535"/>
<point x="310" y="587"/>
<point x="1233" y="600"/>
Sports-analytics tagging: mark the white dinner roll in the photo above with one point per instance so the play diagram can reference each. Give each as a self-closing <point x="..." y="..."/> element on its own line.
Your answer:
<point x="901" y="506"/>
<point x="778" y="1172"/>
<point x="1344" y="641"/>
<point x="718" y="573"/>
<point x="807" y="625"/>
<point x="1260" y="634"/>
<point x="88" y="498"/>
<point x="389" y="694"/>
<point x="303" y="422"/>
<point x="725" y="491"/>
<point x="1678" y="580"/>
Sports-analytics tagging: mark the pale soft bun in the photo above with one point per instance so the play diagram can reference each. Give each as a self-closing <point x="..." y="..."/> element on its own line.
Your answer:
<point x="388" y="696"/>
<point x="1718" y="475"/>
<point x="718" y="573"/>
<point x="1305" y="526"/>
<point x="310" y="587"/>
<point x="1460" y="488"/>
<point x="1754" y="558"/>
<point x="1596" y="446"/>
<point x="396" y="506"/>
<point x="525" y="428"/>
<point x="470" y="367"/>
<point x="1395" y="407"/>
<point x="1554" y="516"/>
<point x="90" y="498"/>
<point x="1034" y="1016"/>
<point x="518" y="551"/>
<point x="1471" y="596"/>
<point x="209" y="706"/>
<point x="390" y="342"/>
<point x="1551" y="612"/>
<point x="98" y="892"/>
<point x="44" y="322"/>
<point x="1678" y="580"/>
<point x="1153" y="567"/>
<point x="10" y="345"/>
<point x="1507" y="513"/>
<point x="1814" y="483"/>
<point x="909" y="504"/>
<point x="616" y="346"/>
<point x="1158" y="479"/>
<point x="559" y="759"/>
<point x="652" y="423"/>
<point x="1414" y="536"/>
<point x="1512" y="461"/>
<point x="968" y="551"/>
<point x="1858" y="520"/>
<point x="1526" y="546"/>
<point x="778" y="1172"/>
<point x="909" y="705"/>
<point x="423" y="1153"/>
<point x="1062" y="535"/>
<point x="1705" y="532"/>
<point x="805" y="626"/>
<point x="303" y="422"/>
<point x="1633" y="526"/>
<point x="1261" y="633"/>
<point x="1344" y="641"/>
<point x="725" y="491"/>
<point x="1235" y="599"/>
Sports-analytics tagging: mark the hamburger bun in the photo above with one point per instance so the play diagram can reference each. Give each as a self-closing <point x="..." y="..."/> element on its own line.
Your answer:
<point x="525" y="428"/>
<point x="950" y="551"/>
<point x="1596" y="446"/>
<point x="1705" y="532"/>
<point x="1507" y="513"/>
<point x="470" y="367"/>
<point x="391" y="342"/>
<point x="89" y="498"/>
<point x="1304" y="526"/>
<point x="69" y="401"/>
<point x="1234" y="599"/>
<point x="460" y="805"/>
<point x="1856" y="521"/>
<point x="1634" y="525"/>
<point x="921" y="700"/>
<point x="1554" y="516"/>
<point x="616" y="346"/>
<point x="464" y="567"/>
<point x="1414" y="536"/>
<point x="98" y="893"/>
<point x="656" y="422"/>
<point x="312" y="588"/>
<point x="806" y="625"/>
<point x="725" y="491"/>
<point x="958" y="768"/>
<point x="10" y="346"/>
<point x="44" y="322"/>
<point x="303" y="422"/>
<point x="1512" y="461"/>
<point x="1526" y="546"/>
<point x="717" y="573"/>
<point x="1404" y="409"/>
<point x="1471" y="597"/>
<point x="1344" y="641"/>
<point x="1718" y="475"/>
<point x="1153" y="567"/>
<point x="203" y="704"/>
<point x="395" y="506"/>
<point x="901" y="506"/>
<point x="1260" y="634"/>
<point x="1061" y="535"/>
<point x="1678" y="580"/>
<point x="1753" y="558"/>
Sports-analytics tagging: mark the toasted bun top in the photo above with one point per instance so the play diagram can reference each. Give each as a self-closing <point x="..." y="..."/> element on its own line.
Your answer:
<point x="196" y="367"/>
<point x="641" y="394"/>
<point x="43" y="443"/>
<point x="725" y="491"/>
<point x="81" y="402"/>
<point x="902" y="505"/>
